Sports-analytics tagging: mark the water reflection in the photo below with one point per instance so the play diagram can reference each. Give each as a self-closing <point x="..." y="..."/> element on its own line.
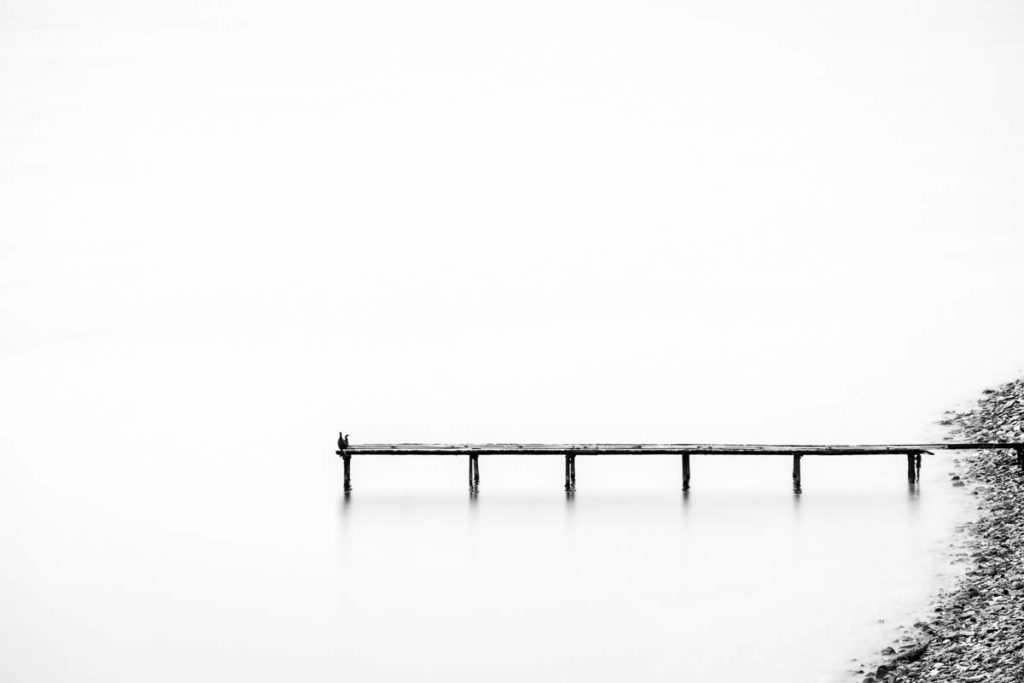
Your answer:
<point x="630" y="503"/>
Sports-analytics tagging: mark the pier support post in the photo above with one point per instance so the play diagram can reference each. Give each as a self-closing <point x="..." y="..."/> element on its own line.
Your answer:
<point x="796" y="473"/>
<point x="570" y="472"/>
<point x="474" y="472"/>
<point x="917" y="468"/>
<point x="346" y="459"/>
<point x="912" y="467"/>
<point x="686" y="471"/>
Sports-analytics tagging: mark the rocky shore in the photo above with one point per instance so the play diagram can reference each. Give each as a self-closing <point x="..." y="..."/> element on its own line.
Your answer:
<point x="977" y="631"/>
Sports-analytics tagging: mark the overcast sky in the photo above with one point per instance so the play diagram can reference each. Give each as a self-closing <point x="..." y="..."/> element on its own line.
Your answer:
<point x="531" y="220"/>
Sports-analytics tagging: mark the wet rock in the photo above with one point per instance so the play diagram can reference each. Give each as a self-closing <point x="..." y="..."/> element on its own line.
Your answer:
<point x="912" y="654"/>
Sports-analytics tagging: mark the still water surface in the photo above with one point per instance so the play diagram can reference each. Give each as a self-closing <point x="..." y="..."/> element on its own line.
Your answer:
<point x="249" y="564"/>
<point x="738" y="581"/>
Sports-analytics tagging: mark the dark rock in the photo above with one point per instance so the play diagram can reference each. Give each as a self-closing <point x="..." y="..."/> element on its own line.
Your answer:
<point x="914" y="653"/>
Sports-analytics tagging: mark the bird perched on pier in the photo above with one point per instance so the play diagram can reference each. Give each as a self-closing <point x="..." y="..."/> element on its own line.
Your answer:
<point x="342" y="441"/>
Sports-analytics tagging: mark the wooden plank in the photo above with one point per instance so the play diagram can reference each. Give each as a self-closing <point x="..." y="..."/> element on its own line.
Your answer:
<point x="619" y="450"/>
<point x="663" y="449"/>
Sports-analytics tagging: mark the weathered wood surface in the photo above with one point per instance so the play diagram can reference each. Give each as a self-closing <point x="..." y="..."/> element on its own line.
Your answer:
<point x="661" y="449"/>
<point x="569" y="451"/>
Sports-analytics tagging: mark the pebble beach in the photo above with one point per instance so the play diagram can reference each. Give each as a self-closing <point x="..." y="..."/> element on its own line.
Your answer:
<point x="976" y="631"/>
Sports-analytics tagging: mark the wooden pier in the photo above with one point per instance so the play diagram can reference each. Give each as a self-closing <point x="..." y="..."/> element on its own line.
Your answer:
<point x="913" y="453"/>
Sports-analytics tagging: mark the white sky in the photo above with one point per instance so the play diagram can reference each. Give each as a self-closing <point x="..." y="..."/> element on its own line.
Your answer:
<point x="534" y="220"/>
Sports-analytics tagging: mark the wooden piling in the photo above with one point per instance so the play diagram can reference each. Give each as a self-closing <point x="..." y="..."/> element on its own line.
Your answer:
<point x="474" y="472"/>
<point x="796" y="474"/>
<point x="911" y="468"/>
<point x="686" y="471"/>
<point x="917" y="468"/>
<point x="570" y="472"/>
<point x="346" y="460"/>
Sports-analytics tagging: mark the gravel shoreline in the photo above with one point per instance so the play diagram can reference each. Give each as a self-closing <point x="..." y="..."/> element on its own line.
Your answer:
<point x="976" y="632"/>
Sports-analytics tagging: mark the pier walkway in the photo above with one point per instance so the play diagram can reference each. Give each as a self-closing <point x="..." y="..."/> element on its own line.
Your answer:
<point x="913" y="453"/>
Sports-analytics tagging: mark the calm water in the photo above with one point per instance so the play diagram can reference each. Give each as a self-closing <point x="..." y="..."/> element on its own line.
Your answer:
<point x="740" y="581"/>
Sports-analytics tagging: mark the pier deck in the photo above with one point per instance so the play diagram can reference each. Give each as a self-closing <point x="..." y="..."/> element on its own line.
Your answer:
<point x="913" y="452"/>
